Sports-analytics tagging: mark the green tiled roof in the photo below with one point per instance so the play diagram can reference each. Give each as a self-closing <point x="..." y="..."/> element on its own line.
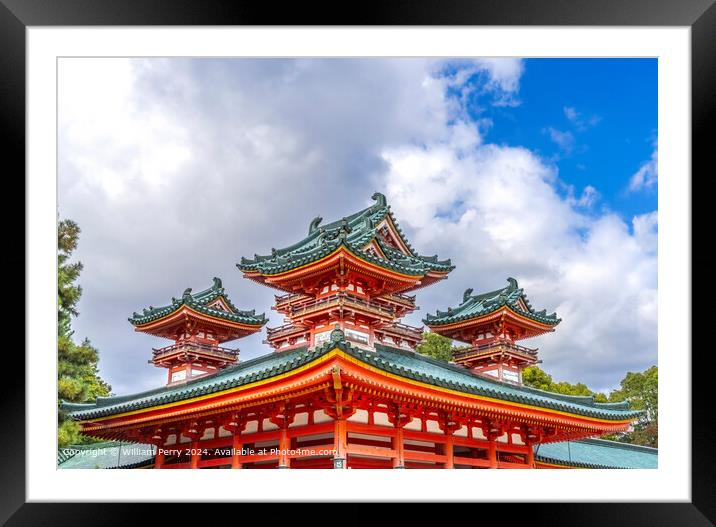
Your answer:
<point x="407" y="364"/>
<point x="353" y="232"/>
<point x="109" y="454"/>
<point x="597" y="453"/>
<point x="198" y="302"/>
<point x="474" y="306"/>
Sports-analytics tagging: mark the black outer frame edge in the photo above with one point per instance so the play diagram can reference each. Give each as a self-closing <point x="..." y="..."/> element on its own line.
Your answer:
<point x="703" y="364"/>
<point x="700" y="14"/>
<point x="12" y="132"/>
<point x="367" y="12"/>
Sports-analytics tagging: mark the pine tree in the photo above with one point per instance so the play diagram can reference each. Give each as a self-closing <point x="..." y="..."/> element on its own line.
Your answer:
<point x="78" y="377"/>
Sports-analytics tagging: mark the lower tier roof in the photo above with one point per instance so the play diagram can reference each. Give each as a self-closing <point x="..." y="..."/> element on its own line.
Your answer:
<point x="587" y="453"/>
<point x="108" y="454"/>
<point x="401" y="363"/>
<point x="596" y="453"/>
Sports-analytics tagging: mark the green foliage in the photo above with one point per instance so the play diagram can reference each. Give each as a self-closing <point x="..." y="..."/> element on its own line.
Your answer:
<point x="68" y="433"/>
<point x="78" y="377"/>
<point x="642" y="392"/>
<point x="537" y="378"/>
<point x="436" y="346"/>
<point x="68" y="293"/>
<point x="639" y="389"/>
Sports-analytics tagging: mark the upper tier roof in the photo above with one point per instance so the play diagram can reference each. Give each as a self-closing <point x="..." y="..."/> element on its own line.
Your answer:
<point x="401" y="363"/>
<point x="355" y="233"/>
<point x="475" y="306"/>
<point x="200" y="302"/>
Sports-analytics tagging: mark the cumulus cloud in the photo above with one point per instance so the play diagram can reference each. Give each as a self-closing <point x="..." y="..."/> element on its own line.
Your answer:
<point x="507" y="219"/>
<point x="497" y="77"/>
<point x="648" y="174"/>
<point x="174" y="169"/>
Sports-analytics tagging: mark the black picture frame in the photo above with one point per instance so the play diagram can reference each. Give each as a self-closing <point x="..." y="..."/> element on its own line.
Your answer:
<point x="699" y="15"/>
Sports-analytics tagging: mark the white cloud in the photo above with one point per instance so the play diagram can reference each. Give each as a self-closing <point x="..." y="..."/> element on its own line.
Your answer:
<point x="507" y="219"/>
<point x="506" y="73"/>
<point x="580" y="122"/>
<point x="648" y="174"/>
<point x="174" y="169"/>
<point x="498" y="77"/>
<point x="589" y="196"/>
<point x="564" y="140"/>
<point x="571" y="113"/>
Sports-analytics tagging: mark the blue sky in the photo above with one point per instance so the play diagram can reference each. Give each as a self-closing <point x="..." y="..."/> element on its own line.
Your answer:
<point x="541" y="169"/>
<point x="604" y="109"/>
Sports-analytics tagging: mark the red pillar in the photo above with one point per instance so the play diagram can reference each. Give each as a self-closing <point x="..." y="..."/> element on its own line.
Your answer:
<point x="530" y="455"/>
<point x="340" y="442"/>
<point x="283" y="447"/>
<point x="236" y="446"/>
<point x="399" y="447"/>
<point x="492" y="452"/>
<point x="449" y="443"/>
<point x="159" y="460"/>
<point x="195" y="454"/>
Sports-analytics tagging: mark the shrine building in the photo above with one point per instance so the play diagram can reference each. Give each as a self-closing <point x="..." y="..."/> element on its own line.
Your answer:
<point x="342" y="385"/>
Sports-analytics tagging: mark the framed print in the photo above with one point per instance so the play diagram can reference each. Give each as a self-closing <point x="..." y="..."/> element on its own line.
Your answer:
<point x="500" y="273"/>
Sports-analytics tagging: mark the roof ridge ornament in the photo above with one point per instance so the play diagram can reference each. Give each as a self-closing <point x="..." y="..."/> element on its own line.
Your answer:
<point x="187" y="292"/>
<point x="466" y="294"/>
<point x="344" y="230"/>
<point x="513" y="283"/>
<point x="337" y="334"/>
<point x="217" y="283"/>
<point x="314" y="224"/>
<point x="380" y="199"/>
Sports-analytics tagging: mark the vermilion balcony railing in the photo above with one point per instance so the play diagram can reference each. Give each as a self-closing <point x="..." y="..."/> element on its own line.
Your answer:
<point x="341" y="299"/>
<point x="216" y="351"/>
<point x="288" y="298"/>
<point x="403" y="330"/>
<point x="497" y="345"/>
<point x="286" y="329"/>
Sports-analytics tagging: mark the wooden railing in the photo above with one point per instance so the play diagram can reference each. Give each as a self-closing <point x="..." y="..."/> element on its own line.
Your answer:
<point x="400" y="298"/>
<point x="403" y="330"/>
<point x="341" y="299"/>
<point x="216" y="351"/>
<point x="282" y="300"/>
<point x="496" y="345"/>
<point x="286" y="329"/>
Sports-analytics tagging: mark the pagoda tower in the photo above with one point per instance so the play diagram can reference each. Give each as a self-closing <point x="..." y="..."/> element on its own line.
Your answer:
<point x="492" y="323"/>
<point x="197" y="323"/>
<point x="353" y="274"/>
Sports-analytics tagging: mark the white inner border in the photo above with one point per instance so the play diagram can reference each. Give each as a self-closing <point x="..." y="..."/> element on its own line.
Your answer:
<point x="671" y="482"/>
